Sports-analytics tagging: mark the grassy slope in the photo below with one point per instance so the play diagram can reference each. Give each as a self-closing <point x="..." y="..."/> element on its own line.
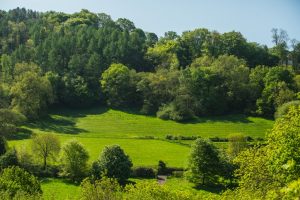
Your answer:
<point x="98" y="127"/>
<point x="99" y="122"/>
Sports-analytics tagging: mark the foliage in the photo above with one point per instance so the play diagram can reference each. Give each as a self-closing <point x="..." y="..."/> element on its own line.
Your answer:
<point x="143" y="172"/>
<point x="74" y="159"/>
<point x="103" y="189"/>
<point x="31" y="93"/>
<point x="45" y="146"/>
<point x="4" y="96"/>
<point x="15" y="179"/>
<point x="284" y="108"/>
<point x="292" y="191"/>
<point x="3" y="145"/>
<point x="9" y="120"/>
<point x="162" y="168"/>
<point x="279" y="89"/>
<point x="117" y="83"/>
<point x="237" y="143"/>
<point x="20" y="195"/>
<point x="9" y="159"/>
<point x="152" y="191"/>
<point x="273" y="166"/>
<point x="113" y="163"/>
<point x="204" y="162"/>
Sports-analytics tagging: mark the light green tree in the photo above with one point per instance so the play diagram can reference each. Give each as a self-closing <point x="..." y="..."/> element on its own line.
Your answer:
<point x="45" y="146"/>
<point x="74" y="159"/>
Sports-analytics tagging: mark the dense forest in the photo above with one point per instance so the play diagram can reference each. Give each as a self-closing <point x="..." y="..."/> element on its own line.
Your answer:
<point x="53" y="59"/>
<point x="85" y="58"/>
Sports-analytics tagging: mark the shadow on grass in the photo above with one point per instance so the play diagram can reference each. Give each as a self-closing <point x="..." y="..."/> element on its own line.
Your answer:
<point x="79" y="112"/>
<point x="236" y="118"/>
<point x="57" y="124"/>
<point x="63" y="120"/>
<point x="22" y="133"/>
<point x="217" y="189"/>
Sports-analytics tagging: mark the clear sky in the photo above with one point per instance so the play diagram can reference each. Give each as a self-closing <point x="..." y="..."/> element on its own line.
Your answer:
<point x="253" y="18"/>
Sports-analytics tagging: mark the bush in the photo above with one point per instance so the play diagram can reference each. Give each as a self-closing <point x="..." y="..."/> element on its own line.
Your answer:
<point x="20" y="195"/>
<point x="173" y="112"/>
<point x="9" y="159"/>
<point x="164" y="170"/>
<point x="218" y="139"/>
<point x="104" y="189"/>
<point x="113" y="163"/>
<point x="143" y="172"/>
<point x="284" y="108"/>
<point x="180" y="137"/>
<point x="15" y="179"/>
<point x="51" y="171"/>
<point x="178" y="174"/>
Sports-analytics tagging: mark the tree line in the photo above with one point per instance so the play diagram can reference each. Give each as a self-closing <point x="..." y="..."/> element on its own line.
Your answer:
<point x="86" y="58"/>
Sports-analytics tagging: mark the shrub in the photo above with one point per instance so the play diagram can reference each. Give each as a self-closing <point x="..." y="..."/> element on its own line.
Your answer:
<point x="173" y="111"/>
<point x="15" y="179"/>
<point x="9" y="159"/>
<point x="178" y="174"/>
<point x="218" y="139"/>
<point x="143" y="172"/>
<point x="104" y="189"/>
<point x="180" y="137"/>
<point x="162" y="168"/>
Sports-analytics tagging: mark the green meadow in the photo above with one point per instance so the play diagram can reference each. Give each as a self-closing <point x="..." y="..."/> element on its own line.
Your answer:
<point x="97" y="127"/>
<point x="142" y="137"/>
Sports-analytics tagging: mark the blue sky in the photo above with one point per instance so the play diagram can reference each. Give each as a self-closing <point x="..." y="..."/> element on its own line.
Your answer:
<point x="253" y="18"/>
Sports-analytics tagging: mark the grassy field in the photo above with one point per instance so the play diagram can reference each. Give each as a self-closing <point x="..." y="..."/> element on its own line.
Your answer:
<point x="108" y="123"/>
<point x="98" y="127"/>
<point x="58" y="189"/>
<point x="142" y="152"/>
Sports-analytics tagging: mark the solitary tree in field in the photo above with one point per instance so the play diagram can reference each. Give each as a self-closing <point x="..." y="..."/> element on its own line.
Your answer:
<point x="74" y="160"/>
<point x="113" y="163"/>
<point x="45" y="146"/>
<point x="204" y="162"/>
